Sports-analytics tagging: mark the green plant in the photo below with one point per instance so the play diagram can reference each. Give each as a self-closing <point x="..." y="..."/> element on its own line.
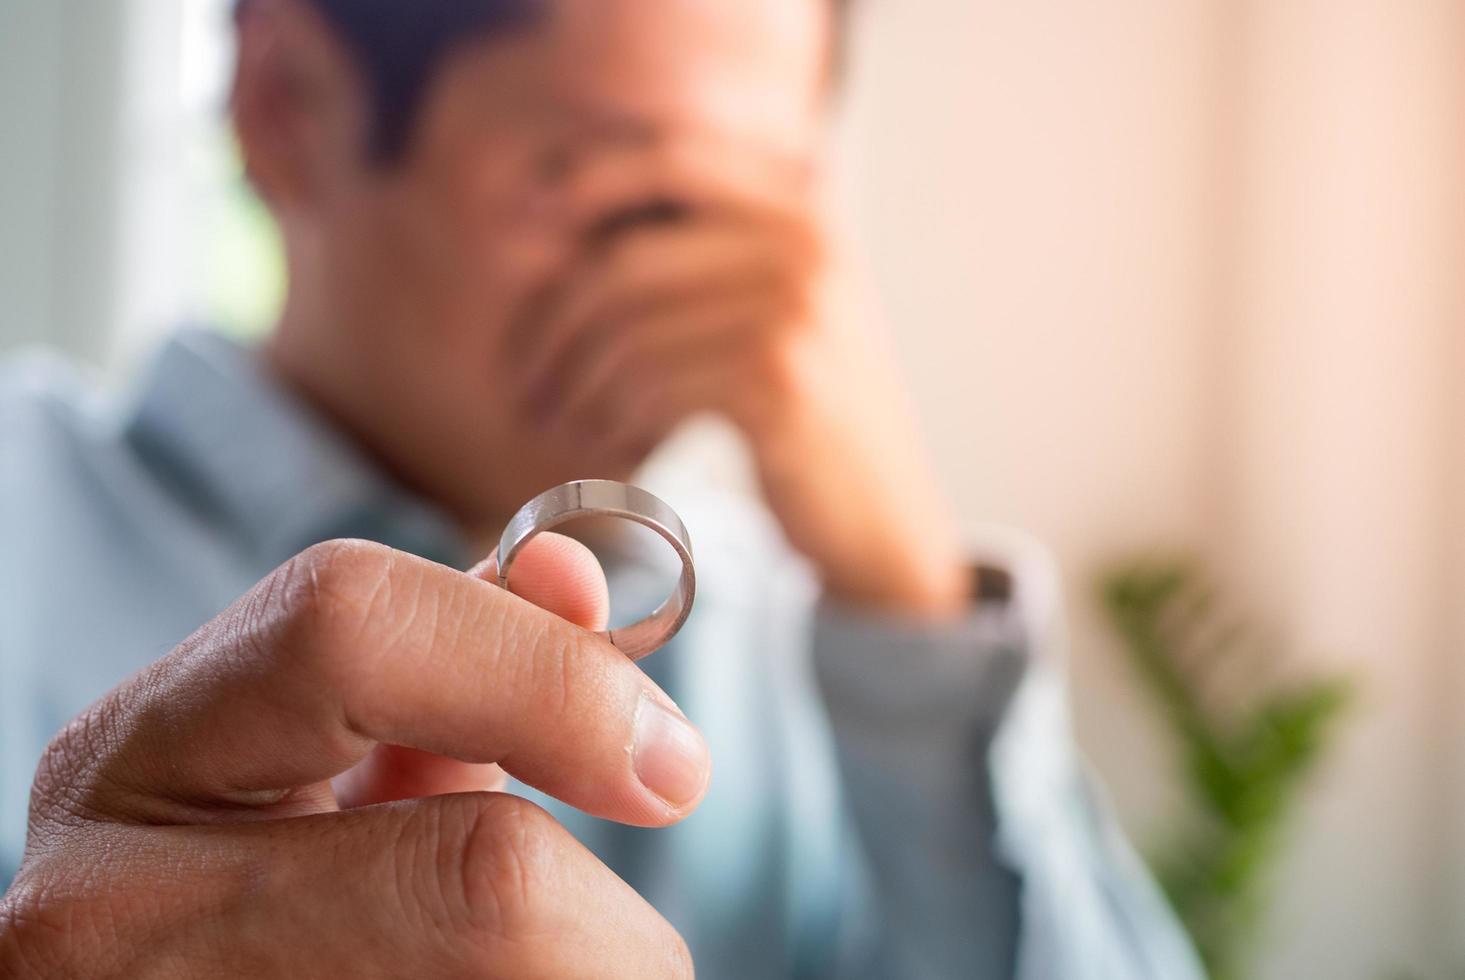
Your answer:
<point x="1246" y="740"/>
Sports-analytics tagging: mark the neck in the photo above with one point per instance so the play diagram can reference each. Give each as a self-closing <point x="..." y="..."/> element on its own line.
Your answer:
<point x="294" y="354"/>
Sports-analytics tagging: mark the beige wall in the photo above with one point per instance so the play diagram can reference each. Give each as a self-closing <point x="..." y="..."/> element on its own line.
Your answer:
<point x="1186" y="273"/>
<point x="1028" y="178"/>
<point x="1345" y="320"/>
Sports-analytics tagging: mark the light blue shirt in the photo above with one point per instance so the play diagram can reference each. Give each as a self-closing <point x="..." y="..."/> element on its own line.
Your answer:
<point x="889" y="801"/>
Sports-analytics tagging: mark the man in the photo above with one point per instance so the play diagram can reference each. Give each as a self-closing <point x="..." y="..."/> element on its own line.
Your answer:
<point x="526" y="241"/>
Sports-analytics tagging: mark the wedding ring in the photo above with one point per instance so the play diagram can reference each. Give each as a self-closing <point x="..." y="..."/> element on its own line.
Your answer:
<point x="607" y="498"/>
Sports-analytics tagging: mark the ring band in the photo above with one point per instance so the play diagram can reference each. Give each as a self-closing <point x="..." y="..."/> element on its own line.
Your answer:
<point x="607" y="498"/>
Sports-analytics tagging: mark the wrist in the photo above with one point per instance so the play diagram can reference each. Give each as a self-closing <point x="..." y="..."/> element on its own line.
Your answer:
<point x="932" y="591"/>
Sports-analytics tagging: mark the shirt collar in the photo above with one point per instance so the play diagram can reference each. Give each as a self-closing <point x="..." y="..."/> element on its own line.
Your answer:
<point x="249" y="454"/>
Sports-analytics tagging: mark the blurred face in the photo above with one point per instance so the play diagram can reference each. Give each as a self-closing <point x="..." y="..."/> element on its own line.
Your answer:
<point x="420" y="289"/>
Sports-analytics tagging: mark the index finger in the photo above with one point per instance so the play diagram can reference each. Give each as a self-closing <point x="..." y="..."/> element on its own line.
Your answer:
<point x="351" y="645"/>
<point x="704" y="170"/>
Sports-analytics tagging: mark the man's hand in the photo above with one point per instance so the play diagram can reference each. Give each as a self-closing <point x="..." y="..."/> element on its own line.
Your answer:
<point x="187" y="824"/>
<point x="731" y="302"/>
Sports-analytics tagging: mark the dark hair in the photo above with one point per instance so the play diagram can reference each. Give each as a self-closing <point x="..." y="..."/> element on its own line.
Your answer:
<point x="400" y="45"/>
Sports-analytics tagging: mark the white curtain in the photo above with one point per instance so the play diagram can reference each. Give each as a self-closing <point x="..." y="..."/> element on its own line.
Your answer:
<point x="1340" y="486"/>
<point x="108" y="114"/>
<point x="61" y="72"/>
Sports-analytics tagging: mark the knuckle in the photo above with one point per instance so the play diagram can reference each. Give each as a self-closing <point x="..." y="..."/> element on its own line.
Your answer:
<point x="507" y="869"/>
<point x="340" y="574"/>
<point x="509" y="866"/>
<point x="20" y="921"/>
<point x="77" y="768"/>
<point x="62" y="767"/>
<point x="152" y="898"/>
<point x="29" y="937"/>
<point x="318" y="603"/>
<point x="47" y="932"/>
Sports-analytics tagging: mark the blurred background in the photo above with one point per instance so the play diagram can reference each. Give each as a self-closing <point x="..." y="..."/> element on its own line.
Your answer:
<point x="1169" y="277"/>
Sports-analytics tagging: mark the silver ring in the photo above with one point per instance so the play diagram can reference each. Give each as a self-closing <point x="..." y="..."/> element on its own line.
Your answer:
<point x="607" y="498"/>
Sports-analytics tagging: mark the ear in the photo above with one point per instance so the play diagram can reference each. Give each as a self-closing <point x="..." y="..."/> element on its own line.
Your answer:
<point x="298" y="103"/>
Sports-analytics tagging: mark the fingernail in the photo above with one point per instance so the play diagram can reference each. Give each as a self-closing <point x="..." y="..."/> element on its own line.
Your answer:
<point x="671" y="757"/>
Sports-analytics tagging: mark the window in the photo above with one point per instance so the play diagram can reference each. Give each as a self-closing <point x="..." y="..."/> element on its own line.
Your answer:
<point x="195" y="244"/>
